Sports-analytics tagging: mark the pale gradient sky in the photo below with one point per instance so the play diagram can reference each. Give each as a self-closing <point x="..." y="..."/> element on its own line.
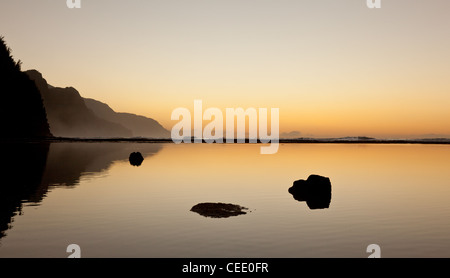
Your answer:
<point x="333" y="68"/>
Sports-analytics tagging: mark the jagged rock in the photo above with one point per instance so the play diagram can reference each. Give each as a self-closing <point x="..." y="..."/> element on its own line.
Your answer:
<point x="316" y="191"/>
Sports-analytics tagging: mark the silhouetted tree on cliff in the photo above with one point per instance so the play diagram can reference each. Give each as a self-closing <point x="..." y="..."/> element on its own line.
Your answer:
<point x="22" y="110"/>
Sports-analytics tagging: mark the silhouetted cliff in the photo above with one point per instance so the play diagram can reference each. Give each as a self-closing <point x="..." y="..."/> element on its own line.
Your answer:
<point x="33" y="108"/>
<point x="69" y="116"/>
<point x="22" y="112"/>
<point x="139" y="125"/>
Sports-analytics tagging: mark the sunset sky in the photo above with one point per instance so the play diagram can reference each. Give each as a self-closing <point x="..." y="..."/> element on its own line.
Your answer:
<point x="333" y="68"/>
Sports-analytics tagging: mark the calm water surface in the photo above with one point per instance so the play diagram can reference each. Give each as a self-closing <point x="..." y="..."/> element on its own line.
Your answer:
<point x="396" y="196"/>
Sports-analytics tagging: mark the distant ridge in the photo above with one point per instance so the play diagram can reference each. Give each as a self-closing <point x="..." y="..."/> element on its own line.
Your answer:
<point x="72" y="116"/>
<point x="68" y="115"/>
<point x="140" y="126"/>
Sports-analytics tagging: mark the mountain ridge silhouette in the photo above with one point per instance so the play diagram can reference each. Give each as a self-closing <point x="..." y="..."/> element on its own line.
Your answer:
<point x="71" y="115"/>
<point x="140" y="126"/>
<point x="68" y="115"/>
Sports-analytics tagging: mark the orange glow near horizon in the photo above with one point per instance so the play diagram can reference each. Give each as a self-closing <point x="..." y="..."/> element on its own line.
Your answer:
<point x="332" y="68"/>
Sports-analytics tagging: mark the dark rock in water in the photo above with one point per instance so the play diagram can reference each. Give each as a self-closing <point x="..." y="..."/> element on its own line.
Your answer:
<point x="218" y="210"/>
<point x="136" y="159"/>
<point x="316" y="191"/>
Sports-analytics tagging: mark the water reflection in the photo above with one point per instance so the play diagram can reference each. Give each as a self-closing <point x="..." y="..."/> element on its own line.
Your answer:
<point x="33" y="168"/>
<point x="23" y="168"/>
<point x="68" y="162"/>
<point x="316" y="191"/>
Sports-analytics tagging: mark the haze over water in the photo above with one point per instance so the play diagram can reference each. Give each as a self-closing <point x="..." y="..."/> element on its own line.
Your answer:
<point x="396" y="196"/>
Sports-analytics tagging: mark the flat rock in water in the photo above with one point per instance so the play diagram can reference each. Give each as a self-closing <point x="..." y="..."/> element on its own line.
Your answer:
<point x="218" y="210"/>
